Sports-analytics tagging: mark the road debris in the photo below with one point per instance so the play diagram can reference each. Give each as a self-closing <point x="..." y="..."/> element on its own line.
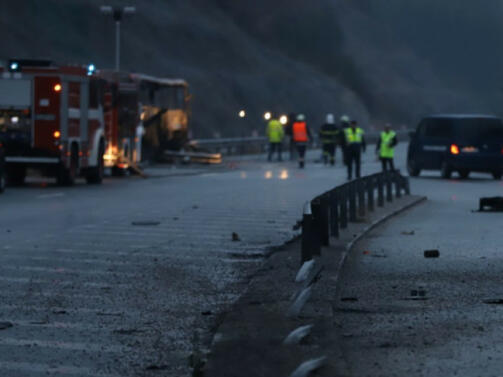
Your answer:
<point x="349" y="299"/>
<point x="495" y="204"/>
<point x="497" y="301"/>
<point x="128" y="331"/>
<point x="235" y="237"/>
<point x="146" y="223"/>
<point x="431" y="253"/>
<point x="5" y="325"/>
<point x="408" y="233"/>
<point x="156" y="367"/>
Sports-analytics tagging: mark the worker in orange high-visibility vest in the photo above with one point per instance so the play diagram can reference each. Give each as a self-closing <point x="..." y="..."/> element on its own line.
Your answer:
<point x="301" y="136"/>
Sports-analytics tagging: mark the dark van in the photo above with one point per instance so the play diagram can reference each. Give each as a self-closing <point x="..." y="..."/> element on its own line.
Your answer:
<point x="461" y="143"/>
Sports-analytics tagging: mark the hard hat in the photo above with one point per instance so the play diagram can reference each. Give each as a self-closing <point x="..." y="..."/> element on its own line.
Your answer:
<point x="330" y="118"/>
<point x="301" y="117"/>
<point x="345" y="119"/>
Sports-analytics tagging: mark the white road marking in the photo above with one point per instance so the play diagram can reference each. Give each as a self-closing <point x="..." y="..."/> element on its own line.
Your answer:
<point x="48" y="196"/>
<point x="72" y="346"/>
<point x="63" y="370"/>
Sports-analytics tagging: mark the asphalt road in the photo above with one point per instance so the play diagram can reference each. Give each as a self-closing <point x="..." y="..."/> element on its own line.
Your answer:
<point x="91" y="294"/>
<point x="389" y="328"/>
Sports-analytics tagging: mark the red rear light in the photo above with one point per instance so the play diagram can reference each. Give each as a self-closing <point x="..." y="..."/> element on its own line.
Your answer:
<point x="454" y="149"/>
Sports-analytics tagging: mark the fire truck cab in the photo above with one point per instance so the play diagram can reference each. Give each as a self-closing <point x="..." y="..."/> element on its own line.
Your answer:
<point x="52" y="120"/>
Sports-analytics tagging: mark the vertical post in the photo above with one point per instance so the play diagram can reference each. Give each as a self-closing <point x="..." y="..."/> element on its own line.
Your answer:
<point x="320" y="210"/>
<point x="389" y="187"/>
<point x="343" y="201"/>
<point x="380" y="190"/>
<point x="398" y="184"/>
<point x="334" y="213"/>
<point x="361" y="196"/>
<point x="406" y="185"/>
<point x="317" y="224"/>
<point x="307" y="242"/>
<point x="370" y="192"/>
<point x="352" y="202"/>
<point x="117" y="44"/>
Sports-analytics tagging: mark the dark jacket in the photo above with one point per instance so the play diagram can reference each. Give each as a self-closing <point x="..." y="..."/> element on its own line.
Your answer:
<point x="329" y="134"/>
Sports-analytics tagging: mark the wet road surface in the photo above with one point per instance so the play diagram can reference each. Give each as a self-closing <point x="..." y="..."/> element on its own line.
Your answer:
<point x="91" y="294"/>
<point x="417" y="316"/>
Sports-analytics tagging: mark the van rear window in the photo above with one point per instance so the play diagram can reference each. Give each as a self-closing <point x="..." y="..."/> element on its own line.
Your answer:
<point x="436" y="128"/>
<point x="473" y="129"/>
<point x="479" y="129"/>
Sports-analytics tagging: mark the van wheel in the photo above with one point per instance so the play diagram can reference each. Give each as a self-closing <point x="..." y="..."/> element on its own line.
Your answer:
<point x="412" y="169"/>
<point x="446" y="171"/>
<point x="95" y="175"/>
<point x="463" y="174"/>
<point x="497" y="175"/>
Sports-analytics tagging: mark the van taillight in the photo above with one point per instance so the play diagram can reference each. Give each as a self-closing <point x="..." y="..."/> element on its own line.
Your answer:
<point x="454" y="149"/>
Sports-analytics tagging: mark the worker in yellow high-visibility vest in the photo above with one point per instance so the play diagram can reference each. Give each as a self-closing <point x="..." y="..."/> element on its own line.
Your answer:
<point x="386" y="148"/>
<point x="354" y="146"/>
<point x="275" y="134"/>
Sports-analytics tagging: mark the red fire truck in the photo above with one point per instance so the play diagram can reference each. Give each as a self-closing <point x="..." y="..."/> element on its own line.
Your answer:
<point x="52" y="119"/>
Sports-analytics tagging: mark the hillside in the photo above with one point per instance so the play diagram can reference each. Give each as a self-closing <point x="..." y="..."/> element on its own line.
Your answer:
<point x="377" y="61"/>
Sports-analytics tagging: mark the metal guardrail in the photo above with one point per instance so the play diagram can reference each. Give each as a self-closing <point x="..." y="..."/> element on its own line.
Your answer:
<point x="327" y="214"/>
<point x="260" y="144"/>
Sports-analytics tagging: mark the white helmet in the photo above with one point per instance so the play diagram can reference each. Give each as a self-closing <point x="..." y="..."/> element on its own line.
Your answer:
<point x="301" y="117"/>
<point x="345" y="119"/>
<point x="330" y="119"/>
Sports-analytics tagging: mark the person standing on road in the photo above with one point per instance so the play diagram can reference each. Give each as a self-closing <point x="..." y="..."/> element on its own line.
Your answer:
<point x="328" y="135"/>
<point x="354" y="145"/>
<point x="301" y="136"/>
<point x="275" y="134"/>
<point x="289" y="133"/>
<point x="342" y="139"/>
<point x="386" y="148"/>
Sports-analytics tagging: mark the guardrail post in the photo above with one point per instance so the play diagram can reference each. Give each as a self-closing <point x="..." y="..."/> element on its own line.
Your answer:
<point x="398" y="183"/>
<point x="320" y="210"/>
<point x="343" y="201"/>
<point x="361" y="196"/>
<point x="389" y="187"/>
<point x="308" y="238"/>
<point x="352" y="202"/>
<point x="406" y="185"/>
<point x="370" y="192"/>
<point x="317" y="225"/>
<point x="334" y="213"/>
<point x="380" y="190"/>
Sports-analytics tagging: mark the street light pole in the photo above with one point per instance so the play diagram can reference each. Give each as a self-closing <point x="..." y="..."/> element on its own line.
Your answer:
<point x="117" y="13"/>
<point x="117" y="44"/>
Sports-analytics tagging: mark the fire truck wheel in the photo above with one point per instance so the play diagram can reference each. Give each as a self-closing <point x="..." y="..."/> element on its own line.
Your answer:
<point x="2" y="181"/>
<point x="66" y="177"/>
<point x="16" y="175"/>
<point x="95" y="175"/>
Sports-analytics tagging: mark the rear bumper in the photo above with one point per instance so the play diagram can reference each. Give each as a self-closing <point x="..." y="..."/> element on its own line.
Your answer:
<point x="477" y="163"/>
